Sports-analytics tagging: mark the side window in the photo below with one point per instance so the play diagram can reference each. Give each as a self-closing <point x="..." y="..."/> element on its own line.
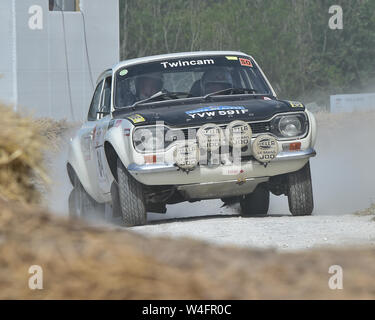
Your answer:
<point x="94" y="107"/>
<point x="105" y="105"/>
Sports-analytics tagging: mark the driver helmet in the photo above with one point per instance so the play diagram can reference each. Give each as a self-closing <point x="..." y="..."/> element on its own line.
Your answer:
<point x="215" y="80"/>
<point x="148" y="84"/>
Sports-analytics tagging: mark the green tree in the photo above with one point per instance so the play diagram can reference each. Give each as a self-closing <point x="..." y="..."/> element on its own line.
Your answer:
<point x="289" y="38"/>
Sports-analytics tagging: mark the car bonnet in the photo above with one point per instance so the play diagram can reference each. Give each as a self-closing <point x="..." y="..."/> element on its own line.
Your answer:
<point x="213" y="112"/>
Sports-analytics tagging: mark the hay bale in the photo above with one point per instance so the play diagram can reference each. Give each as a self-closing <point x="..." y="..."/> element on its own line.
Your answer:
<point x="54" y="130"/>
<point x="21" y="156"/>
<point x="82" y="262"/>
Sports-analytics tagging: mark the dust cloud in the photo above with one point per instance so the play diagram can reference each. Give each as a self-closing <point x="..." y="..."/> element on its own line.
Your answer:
<point x="343" y="172"/>
<point x="57" y="196"/>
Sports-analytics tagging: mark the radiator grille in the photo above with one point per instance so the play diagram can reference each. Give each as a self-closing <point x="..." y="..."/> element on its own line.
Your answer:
<point x="256" y="127"/>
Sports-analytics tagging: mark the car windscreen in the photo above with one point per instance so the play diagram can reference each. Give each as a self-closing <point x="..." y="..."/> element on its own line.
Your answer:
<point x="187" y="77"/>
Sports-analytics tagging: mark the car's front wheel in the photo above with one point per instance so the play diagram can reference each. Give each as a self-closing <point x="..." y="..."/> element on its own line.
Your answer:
<point x="300" y="193"/>
<point x="132" y="201"/>
<point x="256" y="203"/>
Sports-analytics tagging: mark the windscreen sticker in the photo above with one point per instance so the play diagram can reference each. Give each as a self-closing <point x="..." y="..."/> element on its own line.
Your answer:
<point x="137" y="118"/>
<point x="231" y="58"/>
<point x="187" y="63"/>
<point x="246" y="62"/>
<point x="123" y="72"/>
<point x="216" y="111"/>
<point x="296" y="104"/>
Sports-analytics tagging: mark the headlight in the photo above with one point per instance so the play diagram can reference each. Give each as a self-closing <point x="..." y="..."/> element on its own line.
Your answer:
<point x="265" y="148"/>
<point x="155" y="138"/>
<point x="210" y="137"/>
<point x="289" y="126"/>
<point x="238" y="133"/>
<point x="186" y="155"/>
<point x="149" y="139"/>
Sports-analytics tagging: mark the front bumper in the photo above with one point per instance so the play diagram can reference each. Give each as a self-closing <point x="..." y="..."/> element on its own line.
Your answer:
<point x="167" y="167"/>
<point x="220" y="181"/>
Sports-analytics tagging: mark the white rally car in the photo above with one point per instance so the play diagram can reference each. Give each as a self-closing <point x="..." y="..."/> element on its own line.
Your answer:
<point x="188" y="127"/>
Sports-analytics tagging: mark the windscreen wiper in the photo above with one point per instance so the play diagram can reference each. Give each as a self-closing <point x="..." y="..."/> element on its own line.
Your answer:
<point x="231" y="91"/>
<point x="160" y="94"/>
<point x="154" y="96"/>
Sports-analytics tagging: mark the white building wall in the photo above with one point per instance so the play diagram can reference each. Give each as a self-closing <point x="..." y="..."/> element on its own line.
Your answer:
<point x="6" y="40"/>
<point x="51" y="49"/>
<point x="352" y="102"/>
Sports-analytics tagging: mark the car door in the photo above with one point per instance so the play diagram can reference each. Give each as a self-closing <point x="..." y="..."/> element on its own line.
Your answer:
<point x="103" y="115"/>
<point x="88" y="132"/>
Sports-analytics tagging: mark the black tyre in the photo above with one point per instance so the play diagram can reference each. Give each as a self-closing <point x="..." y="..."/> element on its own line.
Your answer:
<point x="256" y="203"/>
<point x="132" y="201"/>
<point x="300" y="193"/>
<point x="81" y="205"/>
<point x="116" y="206"/>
